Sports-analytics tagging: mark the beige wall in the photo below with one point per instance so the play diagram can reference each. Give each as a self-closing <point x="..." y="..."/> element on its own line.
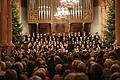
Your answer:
<point x="24" y="17"/>
<point x="24" y="21"/>
<point x="99" y="21"/>
<point x="96" y="26"/>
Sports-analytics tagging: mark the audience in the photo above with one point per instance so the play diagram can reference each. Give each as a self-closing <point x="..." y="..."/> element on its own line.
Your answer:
<point x="61" y="56"/>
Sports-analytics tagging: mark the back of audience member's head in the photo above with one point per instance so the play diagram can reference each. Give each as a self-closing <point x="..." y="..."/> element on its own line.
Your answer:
<point x="92" y="59"/>
<point x="81" y="76"/>
<point x="23" y="77"/>
<point x="8" y="65"/>
<point x="75" y="63"/>
<point x="115" y="68"/>
<point x="41" y="73"/>
<point x="112" y="55"/>
<point x="11" y="75"/>
<point x="108" y="63"/>
<point x="57" y="60"/>
<point x="58" y="68"/>
<point x="70" y="59"/>
<point x="115" y="76"/>
<point x="2" y="65"/>
<point x="24" y="65"/>
<point x="2" y="74"/>
<point x="70" y="76"/>
<point x="7" y="58"/>
<point x="57" y="77"/>
<point x="90" y="62"/>
<point x="96" y="71"/>
<point x="18" y="66"/>
<point x="81" y="67"/>
<point x="35" y="77"/>
<point x="12" y="59"/>
<point x="66" y="72"/>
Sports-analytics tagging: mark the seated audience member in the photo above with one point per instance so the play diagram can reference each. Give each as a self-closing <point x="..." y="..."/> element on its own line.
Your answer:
<point x="81" y="76"/>
<point x="115" y="76"/>
<point x="35" y="78"/>
<point x="115" y="68"/>
<point x="70" y="76"/>
<point x="11" y="75"/>
<point x="57" y="77"/>
<point x="96" y="72"/>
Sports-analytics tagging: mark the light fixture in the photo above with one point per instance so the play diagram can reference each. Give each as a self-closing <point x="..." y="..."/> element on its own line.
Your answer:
<point x="62" y="13"/>
<point x="69" y="3"/>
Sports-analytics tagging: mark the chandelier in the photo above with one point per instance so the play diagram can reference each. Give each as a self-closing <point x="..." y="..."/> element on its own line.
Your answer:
<point x="62" y="13"/>
<point x="69" y="3"/>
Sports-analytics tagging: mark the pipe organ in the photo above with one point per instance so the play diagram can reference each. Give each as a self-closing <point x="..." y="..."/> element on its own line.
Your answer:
<point x="42" y="11"/>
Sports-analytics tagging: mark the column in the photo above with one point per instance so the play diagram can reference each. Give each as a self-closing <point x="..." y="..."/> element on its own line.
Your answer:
<point x="104" y="9"/>
<point x="53" y="27"/>
<point x="0" y="37"/>
<point x="67" y="27"/>
<point x="37" y="27"/>
<point x="117" y="21"/>
<point x="9" y="26"/>
<point x="0" y="22"/>
<point x="3" y="25"/>
<point x="53" y="21"/>
<point x="83" y="29"/>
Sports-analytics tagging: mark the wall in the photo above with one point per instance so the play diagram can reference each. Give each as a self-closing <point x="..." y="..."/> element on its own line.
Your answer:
<point x="96" y="26"/>
<point x="24" y="17"/>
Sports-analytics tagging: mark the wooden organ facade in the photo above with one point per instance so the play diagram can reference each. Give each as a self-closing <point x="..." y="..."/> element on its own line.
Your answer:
<point x="42" y="11"/>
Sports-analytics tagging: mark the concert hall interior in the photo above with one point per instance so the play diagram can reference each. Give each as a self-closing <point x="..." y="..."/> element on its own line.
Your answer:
<point x="59" y="40"/>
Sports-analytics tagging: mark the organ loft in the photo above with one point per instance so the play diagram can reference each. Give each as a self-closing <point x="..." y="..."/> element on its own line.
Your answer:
<point x="43" y="14"/>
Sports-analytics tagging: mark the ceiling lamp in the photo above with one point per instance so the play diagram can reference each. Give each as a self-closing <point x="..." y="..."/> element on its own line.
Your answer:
<point x="62" y="13"/>
<point x="69" y="3"/>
